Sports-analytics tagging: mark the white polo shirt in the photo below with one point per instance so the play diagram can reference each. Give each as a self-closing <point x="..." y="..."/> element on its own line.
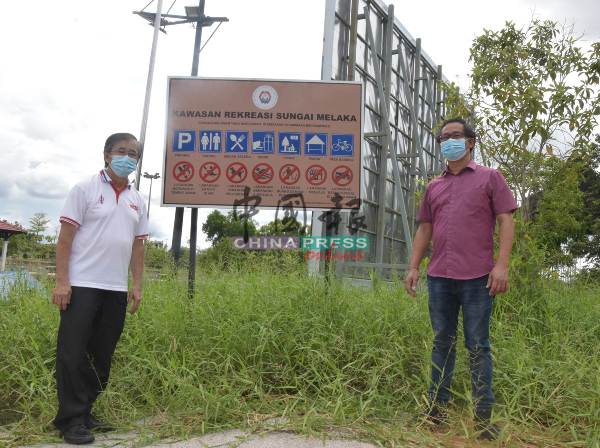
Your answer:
<point x="108" y="222"/>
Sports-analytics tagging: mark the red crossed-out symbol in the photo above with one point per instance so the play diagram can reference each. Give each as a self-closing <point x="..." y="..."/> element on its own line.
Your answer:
<point x="316" y="175"/>
<point x="263" y="173"/>
<point x="289" y="174"/>
<point x="209" y="172"/>
<point x="342" y="175"/>
<point x="183" y="171"/>
<point x="236" y="172"/>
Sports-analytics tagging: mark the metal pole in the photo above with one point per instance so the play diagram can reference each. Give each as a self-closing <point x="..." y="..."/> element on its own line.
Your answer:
<point x="415" y="137"/>
<point x="388" y="132"/>
<point x="178" y="224"/>
<point x="437" y="92"/>
<point x="326" y="59"/>
<point x="194" y="222"/>
<point x="4" y="250"/>
<point x="383" y="156"/>
<point x="192" y="270"/>
<point x="176" y="241"/>
<point x="353" y="39"/>
<point x="198" y="39"/>
<point x="142" y="140"/>
<point x="149" y="197"/>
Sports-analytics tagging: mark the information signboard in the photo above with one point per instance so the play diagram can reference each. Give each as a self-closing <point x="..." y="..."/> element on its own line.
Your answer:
<point x="277" y="138"/>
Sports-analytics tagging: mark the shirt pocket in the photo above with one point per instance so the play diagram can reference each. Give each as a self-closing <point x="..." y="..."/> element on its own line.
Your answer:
<point x="476" y="198"/>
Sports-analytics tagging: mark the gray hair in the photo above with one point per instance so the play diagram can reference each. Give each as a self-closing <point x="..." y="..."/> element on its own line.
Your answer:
<point x="115" y="138"/>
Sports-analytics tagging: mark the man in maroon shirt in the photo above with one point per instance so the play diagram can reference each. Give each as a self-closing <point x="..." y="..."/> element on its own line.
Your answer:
<point x="459" y="210"/>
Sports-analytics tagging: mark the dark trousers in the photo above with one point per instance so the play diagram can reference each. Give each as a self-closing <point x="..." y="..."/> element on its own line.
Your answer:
<point x="446" y="297"/>
<point x="89" y="330"/>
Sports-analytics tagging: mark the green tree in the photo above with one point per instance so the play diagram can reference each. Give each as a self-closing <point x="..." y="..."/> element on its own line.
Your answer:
<point x="534" y="91"/>
<point x="219" y="226"/>
<point x="588" y="247"/>
<point x="156" y="255"/>
<point x="18" y="244"/>
<point x="38" y="223"/>
<point x="287" y="226"/>
<point x="558" y="210"/>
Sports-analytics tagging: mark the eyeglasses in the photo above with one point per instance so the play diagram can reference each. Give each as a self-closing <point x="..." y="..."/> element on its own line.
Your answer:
<point x="454" y="135"/>
<point x="122" y="152"/>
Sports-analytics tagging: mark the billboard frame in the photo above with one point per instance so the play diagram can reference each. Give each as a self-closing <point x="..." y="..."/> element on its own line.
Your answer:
<point x="403" y="104"/>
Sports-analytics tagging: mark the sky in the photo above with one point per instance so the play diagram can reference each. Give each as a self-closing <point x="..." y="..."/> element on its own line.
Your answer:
<point x="74" y="72"/>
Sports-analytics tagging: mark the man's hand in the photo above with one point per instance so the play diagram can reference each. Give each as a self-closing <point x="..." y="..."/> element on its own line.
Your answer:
<point x="412" y="279"/>
<point x="61" y="296"/>
<point x="135" y="296"/>
<point x="498" y="280"/>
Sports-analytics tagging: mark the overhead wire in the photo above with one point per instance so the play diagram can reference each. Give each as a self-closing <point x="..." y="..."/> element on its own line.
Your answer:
<point x="220" y="23"/>
<point x="147" y="5"/>
<point x="172" y="4"/>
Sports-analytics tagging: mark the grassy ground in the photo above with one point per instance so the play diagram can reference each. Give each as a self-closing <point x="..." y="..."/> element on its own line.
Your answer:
<point x="263" y="343"/>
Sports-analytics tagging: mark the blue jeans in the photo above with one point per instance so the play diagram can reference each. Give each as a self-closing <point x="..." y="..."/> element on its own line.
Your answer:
<point x="446" y="296"/>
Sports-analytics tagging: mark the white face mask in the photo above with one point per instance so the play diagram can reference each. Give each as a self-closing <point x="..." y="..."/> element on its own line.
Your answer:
<point x="454" y="149"/>
<point x="123" y="166"/>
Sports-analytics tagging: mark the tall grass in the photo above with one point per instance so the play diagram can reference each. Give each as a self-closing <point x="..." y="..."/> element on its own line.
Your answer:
<point x="266" y="342"/>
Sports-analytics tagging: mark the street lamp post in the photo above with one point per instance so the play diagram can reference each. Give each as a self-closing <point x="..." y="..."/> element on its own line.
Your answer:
<point x="151" y="177"/>
<point x="196" y="16"/>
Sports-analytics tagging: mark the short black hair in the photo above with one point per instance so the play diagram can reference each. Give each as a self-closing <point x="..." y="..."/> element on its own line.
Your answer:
<point x="469" y="131"/>
<point x="115" y="138"/>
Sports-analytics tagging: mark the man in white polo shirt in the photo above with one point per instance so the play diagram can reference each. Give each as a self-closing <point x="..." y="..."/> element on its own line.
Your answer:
<point x="104" y="224"/>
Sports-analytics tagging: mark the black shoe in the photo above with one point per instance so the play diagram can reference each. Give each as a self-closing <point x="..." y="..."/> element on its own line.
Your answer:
<point x="97" y="426"/>
<point x="489" y="430"/>
<point x="436" y="413"/>
<point x="77" y="434"/>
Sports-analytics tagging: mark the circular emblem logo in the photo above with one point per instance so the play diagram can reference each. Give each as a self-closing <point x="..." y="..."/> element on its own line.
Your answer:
<point x="264" y="97"/>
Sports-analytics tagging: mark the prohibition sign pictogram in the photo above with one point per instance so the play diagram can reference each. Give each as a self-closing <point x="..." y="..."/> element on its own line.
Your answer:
<point x="236" y="172"/>
<point x="342" y="175"/>
<point x="289" y="174"/>
<point x="209" y="172"/>
<point x="316" y="175"/>
<point x="183" y="171"/>
<point x="263" y="173"/>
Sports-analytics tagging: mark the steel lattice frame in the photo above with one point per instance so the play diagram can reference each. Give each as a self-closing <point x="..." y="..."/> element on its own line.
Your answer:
<point x="365" y="42"/>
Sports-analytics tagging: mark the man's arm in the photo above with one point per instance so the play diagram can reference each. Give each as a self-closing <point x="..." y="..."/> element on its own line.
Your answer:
<point x="137" y="265"/>
<point x="61" y="296"/>
<point x="498" y="279"/>
<point x="420" y="248"/>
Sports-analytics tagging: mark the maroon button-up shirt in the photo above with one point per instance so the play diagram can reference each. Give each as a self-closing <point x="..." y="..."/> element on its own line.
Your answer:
<point x="462" y="209"/>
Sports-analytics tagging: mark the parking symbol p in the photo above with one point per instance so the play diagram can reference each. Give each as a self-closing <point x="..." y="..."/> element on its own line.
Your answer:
<point x="184" y="140"/>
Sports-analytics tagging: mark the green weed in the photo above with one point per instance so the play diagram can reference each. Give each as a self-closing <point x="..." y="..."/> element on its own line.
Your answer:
<point x="257" y="343"/>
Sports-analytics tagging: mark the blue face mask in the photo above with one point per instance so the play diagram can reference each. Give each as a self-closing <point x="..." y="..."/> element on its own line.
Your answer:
<point x="454" y="149"/>
<point x="123" y="166"/>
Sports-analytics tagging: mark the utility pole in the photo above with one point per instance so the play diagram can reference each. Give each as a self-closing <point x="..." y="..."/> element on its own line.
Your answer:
<point x="195" y="15"/>
<point x="142" y="139"/>
<point x="194" y="219"/>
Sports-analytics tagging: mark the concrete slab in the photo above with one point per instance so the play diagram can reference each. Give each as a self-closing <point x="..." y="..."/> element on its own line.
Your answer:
<point x="233" y="438"/>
